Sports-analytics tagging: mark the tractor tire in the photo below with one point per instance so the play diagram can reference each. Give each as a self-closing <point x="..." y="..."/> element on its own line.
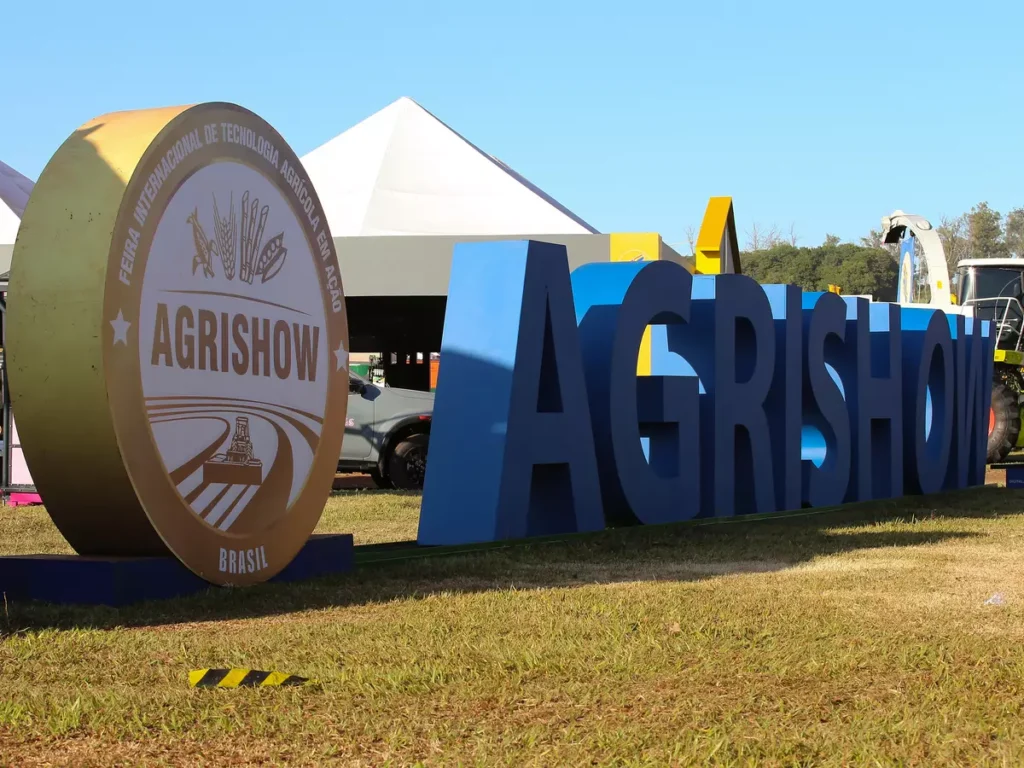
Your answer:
<point x="383" y="483"/>
<point x="1003" y="423"/>
<point x="407" y="464"/>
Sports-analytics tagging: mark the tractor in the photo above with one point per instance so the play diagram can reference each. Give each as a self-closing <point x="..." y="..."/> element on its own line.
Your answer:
<point x="995" y="290"/>
<point x="987" y="289"/>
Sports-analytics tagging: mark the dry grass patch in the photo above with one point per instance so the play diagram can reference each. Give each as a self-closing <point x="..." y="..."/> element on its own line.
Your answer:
<point x="861" y="638"/>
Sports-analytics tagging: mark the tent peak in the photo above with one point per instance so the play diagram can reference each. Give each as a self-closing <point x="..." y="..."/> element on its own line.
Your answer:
<point x="404" y="171"/>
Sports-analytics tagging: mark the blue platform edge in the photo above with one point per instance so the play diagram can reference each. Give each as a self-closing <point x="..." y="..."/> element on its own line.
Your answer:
<point x="1015" y="477"/>
<point x="119" y="581"/>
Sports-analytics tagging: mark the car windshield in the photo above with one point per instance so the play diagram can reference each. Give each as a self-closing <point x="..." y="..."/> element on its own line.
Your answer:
<point x="978" y="283"/>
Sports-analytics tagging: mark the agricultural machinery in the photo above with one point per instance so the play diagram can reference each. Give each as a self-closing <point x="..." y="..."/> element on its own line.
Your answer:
<point x="987" y="289"/>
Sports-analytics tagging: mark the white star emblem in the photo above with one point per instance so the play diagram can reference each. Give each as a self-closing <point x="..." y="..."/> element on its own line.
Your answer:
<point x="120" y="326"/>
<point x="341" y="355"/>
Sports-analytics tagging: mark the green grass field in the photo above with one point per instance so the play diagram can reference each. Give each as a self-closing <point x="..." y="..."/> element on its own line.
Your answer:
<point x="853" y="638"/>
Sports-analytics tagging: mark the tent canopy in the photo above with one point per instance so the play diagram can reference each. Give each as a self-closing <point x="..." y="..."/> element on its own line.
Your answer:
<point x="14" y="192"/>
<point x="402" y="171"/>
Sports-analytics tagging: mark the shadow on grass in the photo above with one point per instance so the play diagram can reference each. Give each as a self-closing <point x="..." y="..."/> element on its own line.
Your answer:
<point x="658" y="553"/>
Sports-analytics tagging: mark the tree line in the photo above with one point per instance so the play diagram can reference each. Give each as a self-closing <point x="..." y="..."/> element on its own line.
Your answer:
<point x="857" y="269"/>
<point x="870" y="267"/>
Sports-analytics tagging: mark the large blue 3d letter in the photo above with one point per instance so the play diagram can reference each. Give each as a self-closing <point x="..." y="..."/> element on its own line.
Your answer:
<point x="875" y="401"/>
<point x="511" y="446"/>
<point x="614" y="305"/>
<point x="975" y="347"/>
<point x="826" y="481"/>
<point x="730" y="343"/>
<point x="784" y="399"/>
<point x="928" y="399"/>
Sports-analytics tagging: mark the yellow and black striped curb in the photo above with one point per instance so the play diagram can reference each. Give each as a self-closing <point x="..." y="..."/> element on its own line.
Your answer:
<point x="242" y="678"/>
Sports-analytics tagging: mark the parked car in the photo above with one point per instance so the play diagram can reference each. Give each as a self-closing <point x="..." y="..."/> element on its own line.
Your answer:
<point x="386" y="434"/>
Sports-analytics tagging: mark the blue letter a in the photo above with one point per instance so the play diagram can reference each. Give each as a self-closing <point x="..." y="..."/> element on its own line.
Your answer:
<point x="511" y="445"/>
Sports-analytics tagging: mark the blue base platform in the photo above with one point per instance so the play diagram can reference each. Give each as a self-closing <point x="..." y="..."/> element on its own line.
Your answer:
<point x="1014" y="472"/>
<point x="118" y="581"/>
<point x="1015" y="476"/>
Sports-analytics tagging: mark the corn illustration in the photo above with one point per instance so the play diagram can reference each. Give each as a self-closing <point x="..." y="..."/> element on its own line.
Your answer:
<point x="204" y="246"/>
<point x="226" y="233"/>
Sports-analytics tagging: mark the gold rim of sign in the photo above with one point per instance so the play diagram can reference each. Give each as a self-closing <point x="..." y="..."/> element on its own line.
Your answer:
<point x="171" y="148"/>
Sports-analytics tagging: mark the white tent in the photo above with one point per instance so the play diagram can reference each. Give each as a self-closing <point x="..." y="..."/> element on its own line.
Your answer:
<point x="402" y="171"/>
<point x="14" y="192"/>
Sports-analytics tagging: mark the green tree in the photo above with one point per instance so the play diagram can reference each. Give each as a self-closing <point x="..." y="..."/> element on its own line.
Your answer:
<point x="859" y="270"/>
<point x="781" y="264"/>
<point x="856" y="269"/>
<point x="1015" y="232"/>
<point x="831" y="241"/>
<point x="986" y="232"/>
<point x="954" y="233"/>
<point x="874" y="239"/>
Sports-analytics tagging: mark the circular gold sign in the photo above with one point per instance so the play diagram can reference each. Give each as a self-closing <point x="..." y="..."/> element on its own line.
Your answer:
<point x="178" y="342"/>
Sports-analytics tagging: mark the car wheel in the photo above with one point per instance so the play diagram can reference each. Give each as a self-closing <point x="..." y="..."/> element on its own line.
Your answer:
<point x="407" y="464"/>
<point x="379" y="480"/>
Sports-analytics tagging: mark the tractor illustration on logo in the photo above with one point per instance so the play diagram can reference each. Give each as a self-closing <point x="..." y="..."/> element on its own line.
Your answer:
<point x="238" y="466"/>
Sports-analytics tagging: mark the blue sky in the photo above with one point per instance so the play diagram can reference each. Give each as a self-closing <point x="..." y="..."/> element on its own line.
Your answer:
<point x="821" y="115"/>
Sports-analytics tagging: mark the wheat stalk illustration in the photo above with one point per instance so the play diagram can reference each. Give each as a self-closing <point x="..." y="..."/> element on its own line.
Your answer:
<point x="226" y="234"/>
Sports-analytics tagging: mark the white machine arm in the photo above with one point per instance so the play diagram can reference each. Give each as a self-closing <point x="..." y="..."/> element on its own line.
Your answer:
<point x="893" y="227"/>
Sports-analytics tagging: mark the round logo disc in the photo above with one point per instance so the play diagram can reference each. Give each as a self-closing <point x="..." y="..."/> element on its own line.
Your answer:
<point x="225" y="344"/>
